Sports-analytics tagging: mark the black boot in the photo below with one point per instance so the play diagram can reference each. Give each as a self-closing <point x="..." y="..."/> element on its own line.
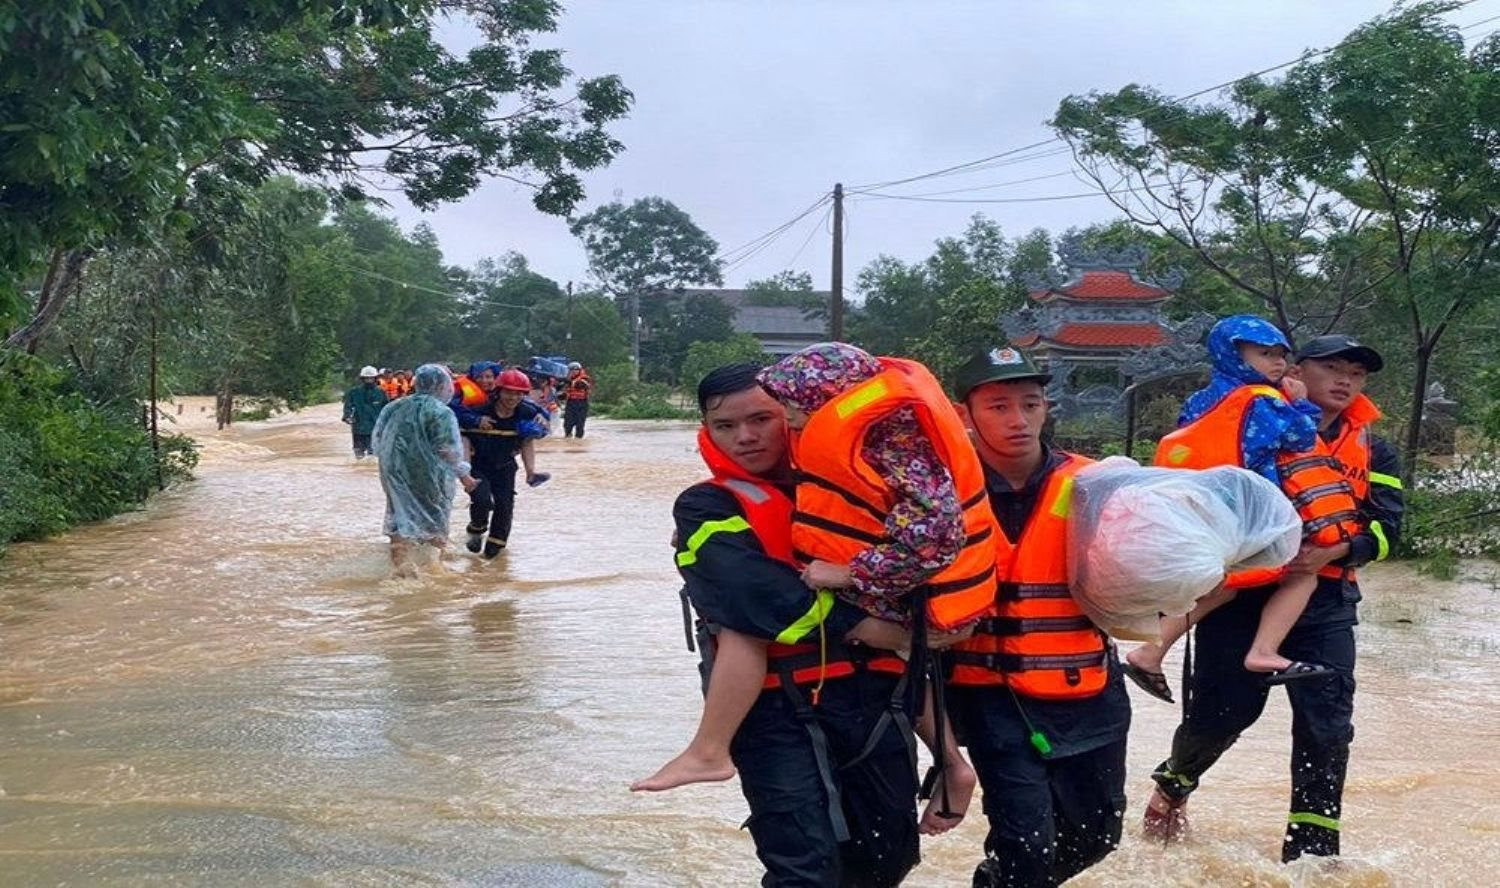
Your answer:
<point x="493" y="547"/>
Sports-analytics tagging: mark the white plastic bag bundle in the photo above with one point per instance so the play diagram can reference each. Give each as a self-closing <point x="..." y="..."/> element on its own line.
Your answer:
<point x="1148" y="541"/>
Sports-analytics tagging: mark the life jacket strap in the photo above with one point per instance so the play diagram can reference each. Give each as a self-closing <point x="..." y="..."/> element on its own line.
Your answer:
<point x="1024" y="591"/>
<point x="1024" y="625"/>
<point x="999" y="662"/>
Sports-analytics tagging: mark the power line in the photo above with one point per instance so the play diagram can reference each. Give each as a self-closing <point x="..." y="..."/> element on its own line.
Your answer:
<point x="976" y="165"/>
<point x="758" y="243"/>
<point x="817" y="226"/>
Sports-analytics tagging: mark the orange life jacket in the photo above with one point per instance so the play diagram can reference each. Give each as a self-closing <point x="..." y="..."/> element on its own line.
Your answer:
<point x="769" y="514"/>
<point x="1351" y="453"/>
<point x="1036" y="638"/>
<point x="389" y="387"/>
<point x="577" y="387"/>
<point x="470" y="394"/>
<point x="842" y="502"/>
<point x="1312" y="480"/>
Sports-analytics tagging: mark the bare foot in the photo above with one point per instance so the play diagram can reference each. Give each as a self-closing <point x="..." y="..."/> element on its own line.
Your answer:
<point x="1165" y="820"/>
<point x="1147" y="657"/>
<point x="689" y="767"/>
<point x="959" y="781"/>
<point x="1256" y="661"/>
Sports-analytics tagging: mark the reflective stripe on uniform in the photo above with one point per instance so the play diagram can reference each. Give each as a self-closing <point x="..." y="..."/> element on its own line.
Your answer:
<point x="745" y="489"/>
<point x="734" y="524"/>
<point x="1387" y="480"/>
<point x="822" y="604"/>
<point x="1311" y="819"/>
<point x="1383" y="545"/>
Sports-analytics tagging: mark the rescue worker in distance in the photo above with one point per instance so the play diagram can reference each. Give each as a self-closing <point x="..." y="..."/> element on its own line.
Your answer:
<point x="831" y="787"/>
<point x="1036" y="695"/>
<point x="575" y="394"/>
<point x="1226" y="699"/>
<point x="362" y="406"/>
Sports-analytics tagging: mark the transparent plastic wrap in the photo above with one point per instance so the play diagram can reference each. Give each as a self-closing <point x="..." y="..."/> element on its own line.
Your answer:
<point x="1148" y="541"/>
<point x="421" y="456"/>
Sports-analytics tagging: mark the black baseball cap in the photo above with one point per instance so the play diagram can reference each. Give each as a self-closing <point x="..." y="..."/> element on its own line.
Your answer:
<point x="996" y="365"/>
<point x="1337" y="345"/>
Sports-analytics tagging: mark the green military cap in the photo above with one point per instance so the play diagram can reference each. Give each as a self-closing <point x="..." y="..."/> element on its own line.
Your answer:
<point x="996" y="365"/>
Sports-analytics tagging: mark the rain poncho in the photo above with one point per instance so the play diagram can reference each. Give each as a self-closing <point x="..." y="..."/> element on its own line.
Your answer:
<point x="1270" y="428"/>
<point x="420" y="453"/>
<point x="1150" y="541"/>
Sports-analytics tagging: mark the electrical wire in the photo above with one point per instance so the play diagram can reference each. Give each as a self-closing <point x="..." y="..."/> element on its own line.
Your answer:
<point x="981" y="163"/>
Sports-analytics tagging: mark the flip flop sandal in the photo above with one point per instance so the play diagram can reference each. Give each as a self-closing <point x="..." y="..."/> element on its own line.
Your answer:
<point x="1298" y="671"/>
<point x="1153" y="683"/>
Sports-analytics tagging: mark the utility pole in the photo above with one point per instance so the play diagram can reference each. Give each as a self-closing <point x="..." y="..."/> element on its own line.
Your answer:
<point x="836" y="287"/>
<point x="635" y="335"/>
<point x="569" y="337"/>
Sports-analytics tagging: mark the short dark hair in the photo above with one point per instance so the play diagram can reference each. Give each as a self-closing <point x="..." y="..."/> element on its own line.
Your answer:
<point x="730" y="379"/>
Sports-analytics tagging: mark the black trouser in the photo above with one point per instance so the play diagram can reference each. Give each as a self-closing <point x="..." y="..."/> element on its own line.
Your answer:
<point x="492" y="505"/>
<point x="361" y="445"/>
<point x="1050" y="819"/>
<point x="1226" y="699"/>
<point x="789" y="814"/>
<point x="575" y="413"/>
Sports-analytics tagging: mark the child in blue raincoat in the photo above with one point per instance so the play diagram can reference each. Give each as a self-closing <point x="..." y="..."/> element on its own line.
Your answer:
<point x="1248" y="351"/>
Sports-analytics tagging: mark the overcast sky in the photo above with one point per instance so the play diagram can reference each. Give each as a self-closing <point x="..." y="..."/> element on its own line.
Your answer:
<point x="747" y="111"/>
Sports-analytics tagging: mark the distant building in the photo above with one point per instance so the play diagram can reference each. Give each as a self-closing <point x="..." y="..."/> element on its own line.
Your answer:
<point x="781" y="329"/>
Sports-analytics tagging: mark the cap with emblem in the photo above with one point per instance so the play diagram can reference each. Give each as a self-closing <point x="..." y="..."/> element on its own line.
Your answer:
<point x="996" y="365"/>
<point x="1337" y="345"/>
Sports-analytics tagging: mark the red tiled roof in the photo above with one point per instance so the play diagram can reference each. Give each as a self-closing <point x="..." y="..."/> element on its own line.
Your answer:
<point x="1107" y="285"/>
<point x="1110" y="335"/>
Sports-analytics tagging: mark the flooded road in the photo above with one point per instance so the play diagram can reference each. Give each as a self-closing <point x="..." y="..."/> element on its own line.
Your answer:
<point x="228" y="688"/>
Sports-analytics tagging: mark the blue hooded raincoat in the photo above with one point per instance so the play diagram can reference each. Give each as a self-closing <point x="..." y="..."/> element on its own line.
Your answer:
<point x="1272" y="427"/>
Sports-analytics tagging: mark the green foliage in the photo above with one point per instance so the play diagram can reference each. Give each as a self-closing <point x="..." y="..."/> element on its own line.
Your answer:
<point x="705" y="356"/>
<point x="787" y="288"/>
<point x="142" y="98"/>
<point x="65" y="460"/>
<point x="646" y="247"/>
<point x="944" y="308"/>
<point x="650" y="251"/>
<point x="1359" y="190"/>
<point x="650" y="402"/>
<point x="1454" y="509"/>
<point x="587" y="328"/>
<point x="612" y="383"/>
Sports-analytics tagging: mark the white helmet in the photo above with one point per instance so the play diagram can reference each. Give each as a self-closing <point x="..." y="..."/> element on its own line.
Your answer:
<point x="574" y="365"/>
<point x="368" y="372"/>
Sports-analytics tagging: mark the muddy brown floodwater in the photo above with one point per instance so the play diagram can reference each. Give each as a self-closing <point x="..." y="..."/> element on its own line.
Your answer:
<point x="228" y="688"/>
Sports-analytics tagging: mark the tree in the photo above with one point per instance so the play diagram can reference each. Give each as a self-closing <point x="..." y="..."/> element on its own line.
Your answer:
<point x="1362" y="180"/>
<point x="404" y="308"/>
<point x="705" y="356"/>
<point x="640" y="255"/>
<point x="586" y="327"/>
<point x="146" y="96"/>
<point x="898" y="302"/>
<point x="646" y="247"/>
<point x="501" y="315"/>
<point x="699" y="318"/>
<point x="786" y="288"/>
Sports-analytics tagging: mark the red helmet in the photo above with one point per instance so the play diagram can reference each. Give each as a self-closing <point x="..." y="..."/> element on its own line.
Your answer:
<point x="513" y="380"/>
